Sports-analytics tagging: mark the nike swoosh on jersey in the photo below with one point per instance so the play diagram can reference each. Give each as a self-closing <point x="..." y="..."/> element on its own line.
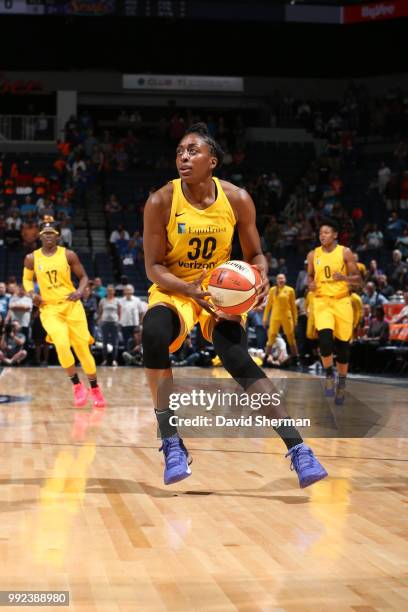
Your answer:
<point x="178" y="214"/>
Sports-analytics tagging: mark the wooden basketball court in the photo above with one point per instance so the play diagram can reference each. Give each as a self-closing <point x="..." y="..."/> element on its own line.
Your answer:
<point x="84" y="509"/>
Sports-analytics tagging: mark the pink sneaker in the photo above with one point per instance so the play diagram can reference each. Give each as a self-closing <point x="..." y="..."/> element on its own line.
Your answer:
<point x="80" y="395"/>
<point x="98" y="399"/>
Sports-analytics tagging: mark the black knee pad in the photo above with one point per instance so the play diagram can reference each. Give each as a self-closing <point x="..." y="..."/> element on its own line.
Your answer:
<point x="161" y="326"/>
<point x="230" y="343"/>
<point x="326" y="343"/>
<point x="342" y="351"/>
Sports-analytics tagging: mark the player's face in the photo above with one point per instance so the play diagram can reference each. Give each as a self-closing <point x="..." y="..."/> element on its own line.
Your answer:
<point x="327" y="235"/>
<point x="281" y="280"/>
<point x="49" y="239"/>
<point x="194" y="160"/>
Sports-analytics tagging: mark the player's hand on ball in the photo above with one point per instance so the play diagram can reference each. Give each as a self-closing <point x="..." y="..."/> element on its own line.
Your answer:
<point x="74" y="296"/>
<point x="195" y="290"/>
<point x="262" y="289"/>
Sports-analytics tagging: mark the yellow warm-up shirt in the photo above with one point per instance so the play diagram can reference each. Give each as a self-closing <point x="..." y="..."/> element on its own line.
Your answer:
<point x="198" y="240"/>
<point x="325" y="265"/>
<point x="53" y="275"/>
<point x="282" y="302"/>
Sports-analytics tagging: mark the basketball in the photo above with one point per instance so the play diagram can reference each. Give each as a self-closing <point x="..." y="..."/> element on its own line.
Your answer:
<point x="233" y="287"/>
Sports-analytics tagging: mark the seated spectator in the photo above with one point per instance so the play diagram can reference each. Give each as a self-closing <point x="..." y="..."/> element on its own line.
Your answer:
<point x="374" y="237"/>
<point x="20" y="307"/>
<point x="66" y="234"/>
<point x="402" y="242"/>
<point x="63" y="208"/>
<point x="118" y="234"/>
<point x="289" y="234"/>
<point x="12" y="344"/>
<point x="99" y="291"/>
<point x="122" y="244"/>
<point x="121" y="158"/>
<point x="373" y="272"/>
<point x="396" y="270"/>
<point x="275" y="186"/>
<point x="90" y="304"/>
<point x="383" y="287"/>
<point x="28" y="206"/>
<point x="41" y="185"/>
<point x="372" y="297"/>
<point x="279" y="356"/>
<point x="282" y="267"/>
<point x="130" y="253"/>
<point x="187" y="355"/>
<point x="395" y="227"/>
<point x="132" y="312"/>
<point x="113" y="205"/>
<point x="384" y="176"/>
<point x="378" y="333"/>
<point x="13" y="221"/>
<point x="29" y="235"/>
<point x="272" y="234"/>
<point x="133" y="355"/>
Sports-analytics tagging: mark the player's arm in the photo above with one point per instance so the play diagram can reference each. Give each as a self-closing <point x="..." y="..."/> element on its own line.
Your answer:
<point x="353" y="276"/>
<point x="28" y="279"/>
<point x="311" y="283"/>
<point x="79" y="271"/>
<point x="155" y="242"/>
<point x="245" y="214"/>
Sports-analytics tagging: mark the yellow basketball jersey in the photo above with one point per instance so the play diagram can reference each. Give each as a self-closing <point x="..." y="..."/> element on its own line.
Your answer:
<point x="282" y="302"/>
<point x="53" y="275"/>
<point x="325" y="265"/>
<point x="198" y="240"/>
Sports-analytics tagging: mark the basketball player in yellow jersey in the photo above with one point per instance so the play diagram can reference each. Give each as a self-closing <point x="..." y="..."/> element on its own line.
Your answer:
<point x="188" y="230"/>
<point x="331" y="269"/>
<point x="61" y="311"/>
<point x="357" y="306"/>
<point x="281" y="306"/>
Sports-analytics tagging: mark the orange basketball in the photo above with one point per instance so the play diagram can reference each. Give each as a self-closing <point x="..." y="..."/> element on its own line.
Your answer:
<point x="233" y="287"/>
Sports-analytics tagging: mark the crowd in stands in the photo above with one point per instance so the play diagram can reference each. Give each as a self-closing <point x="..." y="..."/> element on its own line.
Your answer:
<point x="373" y="224"/>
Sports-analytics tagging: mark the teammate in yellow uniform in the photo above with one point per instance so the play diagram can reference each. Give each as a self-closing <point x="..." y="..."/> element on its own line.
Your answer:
<point x="188" y="229"/>
<point x="61" y="311"/>
<point x="311" y="333"/>
<point x="331" y="269"/>
<point x="281" y="307"/>
<point x="357" y="306"/>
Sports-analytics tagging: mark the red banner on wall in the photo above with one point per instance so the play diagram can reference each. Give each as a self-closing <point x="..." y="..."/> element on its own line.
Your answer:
<point x="375" y="11"/>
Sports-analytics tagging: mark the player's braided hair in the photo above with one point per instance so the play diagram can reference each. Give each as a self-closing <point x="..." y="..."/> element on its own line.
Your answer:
<point x="202" y="130"/>
<point x="330" y="223"/>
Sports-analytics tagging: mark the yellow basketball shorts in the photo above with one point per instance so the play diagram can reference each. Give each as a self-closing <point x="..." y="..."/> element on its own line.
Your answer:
<point x="288" y="327"/>
<point x="189" y="312"/>
<point x="65" y="323"/>
<point x="335" y="314"/>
